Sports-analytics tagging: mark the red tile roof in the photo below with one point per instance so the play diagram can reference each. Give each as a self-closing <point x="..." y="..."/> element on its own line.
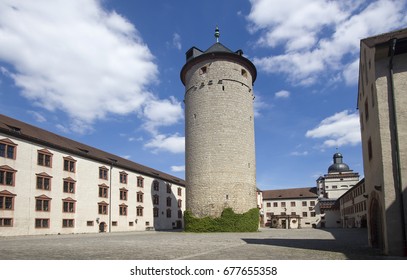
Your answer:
<point x="24" y="131"/>
<point x="309" y="192"/>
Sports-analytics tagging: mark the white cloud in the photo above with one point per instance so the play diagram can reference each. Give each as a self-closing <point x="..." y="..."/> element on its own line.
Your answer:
<point x="173" y="143"/>
<point x="319" y="36"/>
<point x="282" y="94"/>
<point x="37" y="116"/>
<point x="305" y="153"/>
<point x="351" y="73"/>
<point x="176" y="41"/>
<point x="340" y="129"/>
<point x="162" y="113"/>
<point x="76" y="57"/>
<point x="178" y="168"/>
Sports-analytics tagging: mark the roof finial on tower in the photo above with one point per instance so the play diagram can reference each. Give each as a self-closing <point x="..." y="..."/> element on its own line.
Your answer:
<point x="217" y="34"/>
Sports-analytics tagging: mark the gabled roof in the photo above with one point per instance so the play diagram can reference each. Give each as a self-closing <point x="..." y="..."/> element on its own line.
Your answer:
<point x="310" y="192"/>
<point x="27" y="132"/>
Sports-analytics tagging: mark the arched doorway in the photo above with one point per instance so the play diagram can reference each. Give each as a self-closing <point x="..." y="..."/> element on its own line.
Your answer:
<point x="375" y="223"/>
<point x="102" y="227"/>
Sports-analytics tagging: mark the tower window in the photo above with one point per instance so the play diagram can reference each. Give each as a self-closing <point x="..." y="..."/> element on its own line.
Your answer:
<point x="369" y="148"/>
<point x="203" y="70"/>
<point x="244" y="73"/>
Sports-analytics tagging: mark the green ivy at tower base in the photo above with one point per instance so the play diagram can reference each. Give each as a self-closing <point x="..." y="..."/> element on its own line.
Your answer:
<point x="229" y="221"/>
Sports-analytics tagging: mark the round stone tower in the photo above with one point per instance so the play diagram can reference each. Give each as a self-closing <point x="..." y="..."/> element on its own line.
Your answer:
<point x="219" y="131"/>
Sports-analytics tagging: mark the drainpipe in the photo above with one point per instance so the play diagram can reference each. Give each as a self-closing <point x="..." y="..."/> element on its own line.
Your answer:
<point x="396" y="143"/>
<point x="110" y="197"/>
<point x="112" y="161"/>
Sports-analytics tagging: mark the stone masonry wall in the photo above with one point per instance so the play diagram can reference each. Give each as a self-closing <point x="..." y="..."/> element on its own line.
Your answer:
<point x="220" y="149"/>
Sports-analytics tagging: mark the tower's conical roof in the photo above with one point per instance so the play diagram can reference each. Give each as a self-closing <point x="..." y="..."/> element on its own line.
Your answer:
<point x="218" y="47"/>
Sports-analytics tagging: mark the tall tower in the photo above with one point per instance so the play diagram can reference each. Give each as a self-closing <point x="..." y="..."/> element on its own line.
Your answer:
<point x="219" y="130"/>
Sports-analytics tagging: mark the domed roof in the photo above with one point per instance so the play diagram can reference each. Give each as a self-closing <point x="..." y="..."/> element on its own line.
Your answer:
<point x="338" y="165"/>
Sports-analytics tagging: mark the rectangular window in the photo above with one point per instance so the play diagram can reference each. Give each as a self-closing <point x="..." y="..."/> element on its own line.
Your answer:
<point x="114" y="223"/>
<point x="103" y="191"/>
<point x="292" y="203"/>
<point x="102" y="209"/>
<point x="169" y="201"/>
<point x="168" y="213"/>
<point x="179" y="203"/>
<point x="68" y="223"/>
<point x="268" y="204"/>
<point x="293" y="213"/>
<point x="68" y="207"/>
<point x="179" y="191"/>
<point x="155" y="212"/>
<point x="283" y="213"/>
<point x="169" y="188"/>
<point x="42" y="204"/>
<point x="89" y="223"/>
<point x="312" y="214"/>
<point x="103" y="173"/>
<point x="304" y="203"/>
<point x="41" y="223"/>
<point x="282" y="204"/>
<point x="123" y="210"/>
<point x="44" y="158"/>
<point x="7" y="177"/>
<point x="6" y="202"/>
<point x="7" y="150"/>
<point x="140" y="197"/>
<point x="156" y="200"/>
<point x="275" y="204"/>
<point x="123" y="194"/>
<point x="123" y="178"/>
<point x="139" y="211"/>
<point x="6" y="222"/>
<point x="43" y="182"/>
<point x="140" y="182"/>
<point x="312" y="203"/>
<point x="156" y="185"/>
<point x="304" y="214"/>
<point x="69" y="164"/>
<point x="69" y="186"/>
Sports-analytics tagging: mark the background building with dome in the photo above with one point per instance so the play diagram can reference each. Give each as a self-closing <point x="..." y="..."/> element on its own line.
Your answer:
<point x="339" y="179"/>
<point x="312" y="207"/>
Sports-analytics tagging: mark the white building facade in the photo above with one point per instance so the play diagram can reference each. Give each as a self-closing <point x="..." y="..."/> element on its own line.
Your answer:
<point x="353" y="206"/>
<point x="339" y="179"/>
<point x="53" y="185"/>
<point x="291" y="208"/>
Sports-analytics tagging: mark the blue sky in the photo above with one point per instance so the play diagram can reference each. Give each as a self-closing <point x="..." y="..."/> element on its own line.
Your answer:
<point x="106" y="73"/>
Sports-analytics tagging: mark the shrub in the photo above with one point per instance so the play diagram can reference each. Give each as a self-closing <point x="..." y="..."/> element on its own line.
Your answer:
<point x="229" y="221"/>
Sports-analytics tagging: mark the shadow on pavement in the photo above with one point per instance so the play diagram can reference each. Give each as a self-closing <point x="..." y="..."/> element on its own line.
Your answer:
<point x="350" y="242"/>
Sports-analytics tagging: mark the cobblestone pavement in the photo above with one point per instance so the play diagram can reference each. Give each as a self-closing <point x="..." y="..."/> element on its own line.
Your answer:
<point x="275" y="244"/>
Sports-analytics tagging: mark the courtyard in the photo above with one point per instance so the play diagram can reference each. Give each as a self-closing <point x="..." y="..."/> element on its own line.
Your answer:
<point x="267" y="244"/>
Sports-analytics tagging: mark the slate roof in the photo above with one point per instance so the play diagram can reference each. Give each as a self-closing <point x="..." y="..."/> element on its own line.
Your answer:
<point x="309" y="192"/>
<point x="47" y="139"/>
<point x="217" y="50"/>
